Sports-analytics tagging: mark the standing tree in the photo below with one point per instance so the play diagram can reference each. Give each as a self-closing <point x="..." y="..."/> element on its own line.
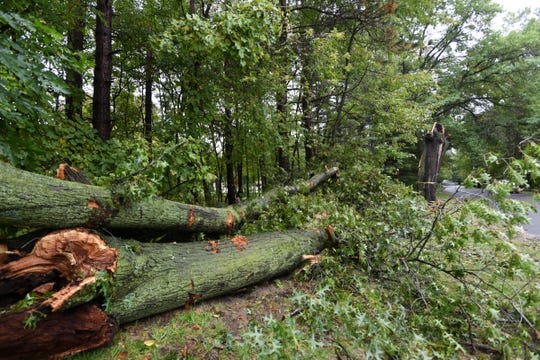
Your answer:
<point x="281" y="93"/>
<point x="101" y="106"/>
<point x="75" y="43"/>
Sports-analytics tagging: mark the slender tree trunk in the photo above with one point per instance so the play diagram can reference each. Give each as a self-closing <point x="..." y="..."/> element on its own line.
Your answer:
<point x="281" y="96"/>
<point x="247" y="179"/>
<point x="148" y="106"/>
<point x="307" y="122"/>
<point x="335" y="128"/>
<point x="228" y="155"/>
<point x="75" y="43"/>
<point x="101" y="106"/>
<point x="435" y="145"/>
<point x="239" y="178"/>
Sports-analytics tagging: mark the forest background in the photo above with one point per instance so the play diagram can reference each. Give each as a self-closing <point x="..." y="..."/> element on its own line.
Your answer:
<point x="214" y="102"/>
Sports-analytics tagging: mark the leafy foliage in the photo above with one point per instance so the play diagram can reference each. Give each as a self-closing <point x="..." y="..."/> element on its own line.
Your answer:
<point x="31" y="51"/>
<point x="412" y="278"/>
<point x="343" y="83"/>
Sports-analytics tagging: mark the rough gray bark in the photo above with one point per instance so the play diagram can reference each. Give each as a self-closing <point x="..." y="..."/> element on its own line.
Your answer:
<point x="75" y="43"/>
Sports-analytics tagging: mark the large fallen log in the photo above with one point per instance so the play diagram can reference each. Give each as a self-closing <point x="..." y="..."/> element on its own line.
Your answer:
<point x="133" y="279"/>
<point x="37" y="201"/>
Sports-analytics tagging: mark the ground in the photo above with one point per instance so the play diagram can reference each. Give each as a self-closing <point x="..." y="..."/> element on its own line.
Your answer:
<point x="207" y="329"/>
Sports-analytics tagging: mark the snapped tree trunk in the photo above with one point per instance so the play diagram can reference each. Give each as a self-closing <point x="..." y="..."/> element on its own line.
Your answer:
<point x="435" y="145"/>
<point x="134" y="279"/>
<point x="32" y="200"/>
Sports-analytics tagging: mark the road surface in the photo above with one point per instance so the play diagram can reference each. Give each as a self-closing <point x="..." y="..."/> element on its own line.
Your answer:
<point x="533" y="227"/>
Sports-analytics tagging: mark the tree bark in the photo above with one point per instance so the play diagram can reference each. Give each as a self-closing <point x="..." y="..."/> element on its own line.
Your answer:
<point x="159" y="277"/>
<point x="149" y="278"/>
<point x="58" y="335"/>
<point x="307" y="122"/>
<point x="32" y="200"/>
<point x="75" y="42"/>
<point x="435" y="145"/>
<point x="228" y="156"/>
<point x="281" y="96"/>
<point x="101" y="105"/>
<point x="148" y="84"/>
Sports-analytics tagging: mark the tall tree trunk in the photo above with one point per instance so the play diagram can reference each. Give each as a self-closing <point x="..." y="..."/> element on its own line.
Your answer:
<point x="101" y="106"/>
<point x="307" y="122"/>
<point x="435" y="145"/>
<point x="149" y="76"/>
<point x="281" y="96"/>
<point x="239" y="178"/>
<point x="75" y="43"/>
<point x="228" y="155"/>
<point x="335" y="128"/>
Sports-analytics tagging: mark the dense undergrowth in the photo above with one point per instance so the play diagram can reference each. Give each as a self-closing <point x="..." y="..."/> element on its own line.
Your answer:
<point x="416" y="280"/>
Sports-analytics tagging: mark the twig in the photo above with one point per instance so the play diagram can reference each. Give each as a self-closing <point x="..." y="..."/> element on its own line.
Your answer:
<point x="469" y="328"/>
<point x="422" y="244"/>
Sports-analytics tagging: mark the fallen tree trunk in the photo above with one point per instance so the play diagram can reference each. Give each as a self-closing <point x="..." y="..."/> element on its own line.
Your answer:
<point x="32" y="200"/>
<point x="145" y="278"/>
<point x="161" y="277"/>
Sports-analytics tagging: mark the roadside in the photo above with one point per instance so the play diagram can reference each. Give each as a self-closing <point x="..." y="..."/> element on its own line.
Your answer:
<point x="532" y="228"/>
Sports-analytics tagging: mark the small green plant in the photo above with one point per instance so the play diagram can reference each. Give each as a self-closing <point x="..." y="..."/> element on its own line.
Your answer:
<point x="24" y="303"/>
<point x="31" y="321"/>
<point x="103" y="285"/>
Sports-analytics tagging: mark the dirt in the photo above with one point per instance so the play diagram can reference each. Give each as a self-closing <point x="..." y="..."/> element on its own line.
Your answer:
<point x="239" y="309"/>
<point x="252" y="304"/>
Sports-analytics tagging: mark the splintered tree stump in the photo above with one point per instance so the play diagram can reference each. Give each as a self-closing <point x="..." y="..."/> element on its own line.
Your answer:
<point x="37" y="201"/>
<point x="55" y="336"/>
<point x="145" y="279"/>
<point x="435" y="146"/>
<point x="74" y="257"/>
<point x="66" y="264"/>
<point x="70" y="173"/>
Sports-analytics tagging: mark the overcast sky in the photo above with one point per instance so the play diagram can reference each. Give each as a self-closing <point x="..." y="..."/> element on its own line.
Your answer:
<point x="512" y="6"/>
<point x="516" y="5"/>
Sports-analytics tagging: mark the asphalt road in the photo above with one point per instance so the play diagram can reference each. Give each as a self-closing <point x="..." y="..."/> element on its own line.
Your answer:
<point x="533" y="227"/>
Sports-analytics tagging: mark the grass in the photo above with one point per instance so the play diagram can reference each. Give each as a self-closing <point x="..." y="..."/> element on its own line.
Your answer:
<point x="211" y="330"/>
